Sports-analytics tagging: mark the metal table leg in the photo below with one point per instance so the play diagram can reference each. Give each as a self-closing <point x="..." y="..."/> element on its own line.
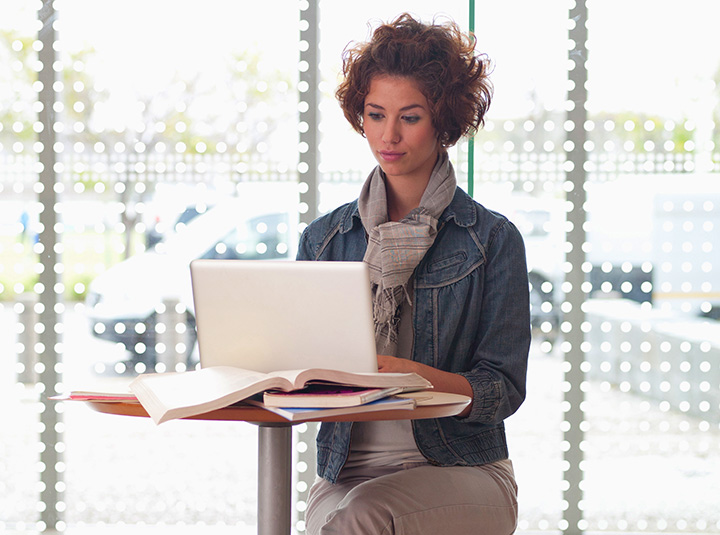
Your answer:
<point x="274" y="479"/>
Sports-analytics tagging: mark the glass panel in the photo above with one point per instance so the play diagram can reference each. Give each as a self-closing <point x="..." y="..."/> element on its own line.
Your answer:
<point x="653" y="194"/>
<point x="179" y="143"/>
<point x="20" y="466"/>
<point x="519" y="158"/>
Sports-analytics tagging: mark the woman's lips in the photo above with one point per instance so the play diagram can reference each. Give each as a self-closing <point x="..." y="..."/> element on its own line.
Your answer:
<point x="390" y="156"/>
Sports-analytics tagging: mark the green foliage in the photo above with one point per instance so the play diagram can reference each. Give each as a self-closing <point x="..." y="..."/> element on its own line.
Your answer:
<point x="640" y="133"/>
<point x="86" y="254"/>
<point x="16" y="87"/>
<point x="187" y="110"/>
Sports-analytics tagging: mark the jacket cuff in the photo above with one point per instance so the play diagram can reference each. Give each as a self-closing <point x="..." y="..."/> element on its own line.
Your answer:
<point x="487" y="397"/>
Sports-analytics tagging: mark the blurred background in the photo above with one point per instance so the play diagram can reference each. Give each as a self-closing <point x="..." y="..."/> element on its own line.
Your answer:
<point x="137" y="136"/>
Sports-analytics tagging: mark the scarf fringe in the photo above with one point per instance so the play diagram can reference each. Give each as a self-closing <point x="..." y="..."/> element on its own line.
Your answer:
<point x="385" y="314"/>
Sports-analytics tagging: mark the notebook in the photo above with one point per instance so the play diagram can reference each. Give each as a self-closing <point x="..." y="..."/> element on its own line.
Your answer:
<point x="284" y="315"/>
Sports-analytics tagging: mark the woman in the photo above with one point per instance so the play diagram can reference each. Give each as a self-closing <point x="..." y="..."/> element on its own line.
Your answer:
<point x="450" y="296"/>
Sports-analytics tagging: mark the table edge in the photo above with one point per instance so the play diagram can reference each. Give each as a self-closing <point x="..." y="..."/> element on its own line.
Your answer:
<point x="259" y="415"/>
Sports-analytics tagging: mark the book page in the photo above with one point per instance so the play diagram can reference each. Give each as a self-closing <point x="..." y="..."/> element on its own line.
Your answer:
<point x="300" y="378"/>
<point x="175" y="395"/>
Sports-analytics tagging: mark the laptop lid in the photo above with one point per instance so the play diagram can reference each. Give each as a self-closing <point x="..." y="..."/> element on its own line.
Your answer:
<point x="284" y="315"/>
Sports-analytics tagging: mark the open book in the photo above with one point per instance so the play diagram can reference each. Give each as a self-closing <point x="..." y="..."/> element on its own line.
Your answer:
<point x="166" y="396"/>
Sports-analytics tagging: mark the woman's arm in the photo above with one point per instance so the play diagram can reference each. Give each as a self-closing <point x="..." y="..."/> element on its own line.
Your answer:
<point x="441" y="381"/>
<point x="492" y="371"/>
<point x="503" y="331"/>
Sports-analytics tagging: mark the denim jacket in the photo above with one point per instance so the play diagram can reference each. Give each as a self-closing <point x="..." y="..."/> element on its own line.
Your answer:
<point x="470" y="316"/>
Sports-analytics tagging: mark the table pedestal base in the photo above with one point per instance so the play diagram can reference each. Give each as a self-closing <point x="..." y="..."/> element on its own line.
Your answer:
<point x="274" y="514"/>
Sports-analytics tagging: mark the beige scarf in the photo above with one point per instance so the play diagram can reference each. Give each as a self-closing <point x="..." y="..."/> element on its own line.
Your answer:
<point x="396" y="248"/>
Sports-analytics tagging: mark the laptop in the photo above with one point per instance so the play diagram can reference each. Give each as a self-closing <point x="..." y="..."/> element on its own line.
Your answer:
<point x="284" y="315"/>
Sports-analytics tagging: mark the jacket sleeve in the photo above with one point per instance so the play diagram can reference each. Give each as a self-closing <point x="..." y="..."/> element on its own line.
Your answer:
<point x="503" y="342"/>
<point x="304" y="249"/>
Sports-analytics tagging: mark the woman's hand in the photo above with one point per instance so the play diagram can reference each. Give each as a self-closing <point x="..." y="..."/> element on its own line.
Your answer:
<point x="388" y="364"/>
<point x="442" y="381"/>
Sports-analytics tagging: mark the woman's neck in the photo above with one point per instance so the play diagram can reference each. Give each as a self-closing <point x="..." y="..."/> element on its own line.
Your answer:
<point x="403" y="195"/>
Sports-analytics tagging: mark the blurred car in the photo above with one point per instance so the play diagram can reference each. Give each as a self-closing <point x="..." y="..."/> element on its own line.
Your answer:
<point x="123" y="303"/>
<point x="159" y="230"/>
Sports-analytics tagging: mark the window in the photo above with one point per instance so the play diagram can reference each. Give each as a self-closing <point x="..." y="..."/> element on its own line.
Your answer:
<point x="179" y="131"/>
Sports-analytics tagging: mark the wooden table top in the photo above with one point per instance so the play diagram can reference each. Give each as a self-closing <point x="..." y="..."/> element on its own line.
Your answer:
<point x="429" y="405"/>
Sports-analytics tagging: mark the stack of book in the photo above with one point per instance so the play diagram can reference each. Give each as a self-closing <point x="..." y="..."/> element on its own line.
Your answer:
<point x="327" y="399"/>
<point x="296" y="395"/>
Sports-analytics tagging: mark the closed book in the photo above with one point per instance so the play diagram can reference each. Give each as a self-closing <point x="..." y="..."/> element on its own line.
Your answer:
<point x="326" y="395"/>
<point x="303" y="414"/>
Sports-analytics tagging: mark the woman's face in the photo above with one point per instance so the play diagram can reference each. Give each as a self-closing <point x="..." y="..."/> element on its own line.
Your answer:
<point x="398" y="126"/>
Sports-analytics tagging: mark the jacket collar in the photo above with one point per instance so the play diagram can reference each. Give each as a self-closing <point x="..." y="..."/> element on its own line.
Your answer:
<point x="461" y="209"/>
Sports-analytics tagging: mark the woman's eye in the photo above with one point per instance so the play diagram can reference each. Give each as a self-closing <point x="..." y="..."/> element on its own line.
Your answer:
<point x="375" y="116"/>
<point x="411" y="119"/>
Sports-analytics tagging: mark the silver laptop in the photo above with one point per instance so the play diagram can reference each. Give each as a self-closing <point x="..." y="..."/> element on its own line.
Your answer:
<point x="283" y="315"/>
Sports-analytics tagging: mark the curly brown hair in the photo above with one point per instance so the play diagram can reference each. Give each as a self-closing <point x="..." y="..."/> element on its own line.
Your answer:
<point x="440" y="58"/>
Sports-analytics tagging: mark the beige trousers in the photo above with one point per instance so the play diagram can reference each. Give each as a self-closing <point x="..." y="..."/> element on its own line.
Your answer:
<point x="416" y="500"/>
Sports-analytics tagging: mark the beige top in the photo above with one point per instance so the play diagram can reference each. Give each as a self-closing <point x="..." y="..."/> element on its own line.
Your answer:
<point x="387" y="443"/>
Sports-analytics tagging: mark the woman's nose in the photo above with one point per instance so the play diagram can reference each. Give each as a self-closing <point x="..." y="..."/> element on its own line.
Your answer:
<point x="391" y="133"/>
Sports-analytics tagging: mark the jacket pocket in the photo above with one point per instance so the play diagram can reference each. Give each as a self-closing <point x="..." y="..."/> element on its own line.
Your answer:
<point x="439" y="271"/>
<point x="445" y="263"/>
